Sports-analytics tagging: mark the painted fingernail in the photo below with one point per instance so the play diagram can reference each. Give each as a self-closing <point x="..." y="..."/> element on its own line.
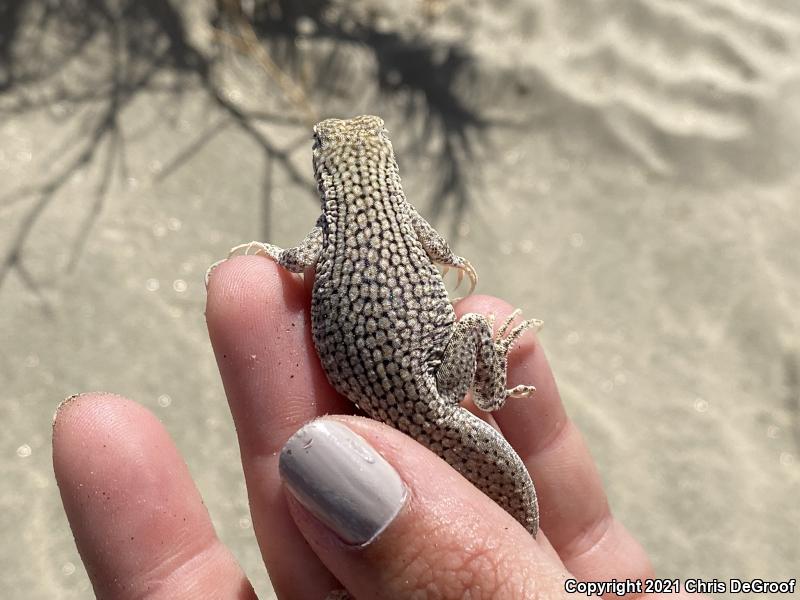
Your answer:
<point x="342" y="480"/>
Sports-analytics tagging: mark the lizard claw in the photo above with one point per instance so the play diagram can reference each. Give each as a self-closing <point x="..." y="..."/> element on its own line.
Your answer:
<point x="509" y="319"/>
<point x="244" y="249"/>
<point x="520" y="391"/>
<point x="506" y="342"/>
<point x="247" y="249"/>
<point x="473" y="276"/>
<point x="256" y="249"/>
<point x="211" y="270"/>
<point x="464" y="268"/>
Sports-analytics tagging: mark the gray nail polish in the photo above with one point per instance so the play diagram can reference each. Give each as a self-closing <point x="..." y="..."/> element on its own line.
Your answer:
<point x="342" y="480"/>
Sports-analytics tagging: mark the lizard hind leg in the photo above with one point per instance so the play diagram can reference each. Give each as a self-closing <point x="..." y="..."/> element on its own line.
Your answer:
<point x="295" y="259"/>
<point x="475" y="358"/>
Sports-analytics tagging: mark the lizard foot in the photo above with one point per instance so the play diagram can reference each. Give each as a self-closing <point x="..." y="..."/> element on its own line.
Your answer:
<point x="516" y="332"/>
<point x="492" y="394"/>
<point x="464" y="269"/>
<point x="505" y="343"/>
<point x="520" y="391"/>
<point x="255" y="249"/>
<point x="250" y="248"/>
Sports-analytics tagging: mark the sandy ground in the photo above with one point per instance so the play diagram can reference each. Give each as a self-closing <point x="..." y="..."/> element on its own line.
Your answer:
<point x="637" y="190"/>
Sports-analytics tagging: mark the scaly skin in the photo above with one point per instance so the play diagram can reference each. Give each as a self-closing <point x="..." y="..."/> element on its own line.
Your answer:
<point x="383" y="326"/>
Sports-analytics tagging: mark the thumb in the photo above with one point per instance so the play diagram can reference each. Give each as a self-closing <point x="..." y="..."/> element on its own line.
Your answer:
<point x="390" y="519"/>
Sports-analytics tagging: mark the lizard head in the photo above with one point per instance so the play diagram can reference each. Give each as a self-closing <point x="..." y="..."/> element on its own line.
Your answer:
<point x="333" y="135"/>
<point x="343" y="130"/>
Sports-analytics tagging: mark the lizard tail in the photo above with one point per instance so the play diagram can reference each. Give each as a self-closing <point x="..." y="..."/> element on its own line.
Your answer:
<point x="482" y="455"/>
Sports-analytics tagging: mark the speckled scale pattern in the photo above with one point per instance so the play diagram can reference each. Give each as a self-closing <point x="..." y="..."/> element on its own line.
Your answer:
<point x="383" y="325"/>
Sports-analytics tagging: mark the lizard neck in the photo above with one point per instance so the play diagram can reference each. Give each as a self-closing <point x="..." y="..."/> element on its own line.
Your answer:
<point x="359" y="179"/>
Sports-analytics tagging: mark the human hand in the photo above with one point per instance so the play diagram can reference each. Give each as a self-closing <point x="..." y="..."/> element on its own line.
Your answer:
<point x="143" y="532"/>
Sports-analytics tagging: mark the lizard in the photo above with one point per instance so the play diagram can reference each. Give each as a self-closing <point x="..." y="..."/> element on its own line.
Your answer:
<point x="382" y="323"/>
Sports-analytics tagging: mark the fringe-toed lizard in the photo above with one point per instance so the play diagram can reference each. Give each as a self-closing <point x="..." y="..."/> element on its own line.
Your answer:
<point x="383" y="326"/>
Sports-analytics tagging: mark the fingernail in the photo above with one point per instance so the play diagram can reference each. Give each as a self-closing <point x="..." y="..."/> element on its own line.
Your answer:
<point x="342" y="480"/>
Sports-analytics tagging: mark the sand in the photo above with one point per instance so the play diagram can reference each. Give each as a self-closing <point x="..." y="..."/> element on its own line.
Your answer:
<point x="634" y="186"/>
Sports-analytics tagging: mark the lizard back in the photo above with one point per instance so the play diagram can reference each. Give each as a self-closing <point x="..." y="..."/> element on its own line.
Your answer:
<point x="380" y="310"/>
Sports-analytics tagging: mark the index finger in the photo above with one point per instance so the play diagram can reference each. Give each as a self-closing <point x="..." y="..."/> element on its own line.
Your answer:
<point x="258" y="322"/>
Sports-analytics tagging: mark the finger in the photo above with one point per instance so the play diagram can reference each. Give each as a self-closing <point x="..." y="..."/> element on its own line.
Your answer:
<point x="139" y="523"/>
<point x="392" y="520"/>
<point x="258" y="321"/>
<point x="573" y="505"/>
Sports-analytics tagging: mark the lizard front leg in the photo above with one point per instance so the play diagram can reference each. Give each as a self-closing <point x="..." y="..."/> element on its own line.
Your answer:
<point x="295" y="259"/>
<point x="439" y="251"/>
<point x="476" y="359"/>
